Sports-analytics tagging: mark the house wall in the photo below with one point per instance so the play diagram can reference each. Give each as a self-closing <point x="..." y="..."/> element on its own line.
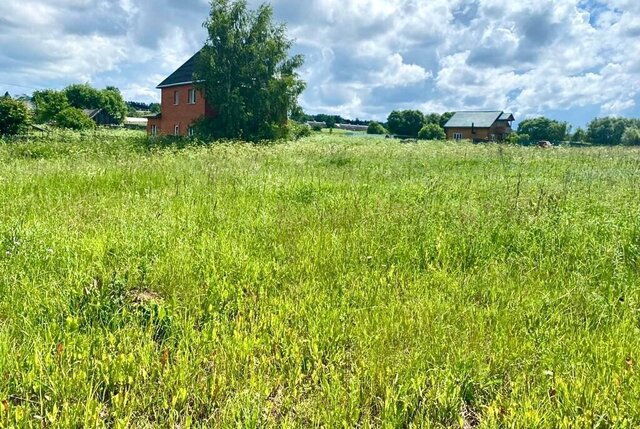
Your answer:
<point x="182" y="114"/>
<point x="480" y="133"/>
<point x="500" y="130"/>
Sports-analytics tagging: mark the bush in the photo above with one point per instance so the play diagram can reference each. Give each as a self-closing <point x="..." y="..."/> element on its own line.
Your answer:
<point x="376" y="128"/>
<point x="74" y="119"/>
<point x="299" y="130"/>
<point x="631" y="136"/>
<point x="317" y="128"/>
<point x="518" y="138"/>
<point x="14" y="116"/>
<point x="432" y="132"/>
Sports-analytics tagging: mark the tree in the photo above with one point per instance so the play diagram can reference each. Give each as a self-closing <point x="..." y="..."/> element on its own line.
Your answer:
<point x="543" y="129"/>
<point x="631" y="136"/>
<point x="154" y="107"/>
<point x="74" y="119"/>
<point x="444" y="118"/>
<point x="608" y="131"/>
<point x="246" y="69"/>
<point x="83" y="96"/>
<point x="111" y="100"/>
<point x="432" y="131"/>
<point x="14" y="116"/>
<point x="376" y="128"/>
<point x="432" y="118"/>
<point x="406" y="122"/>
<point x="579" y="136"/>
<point x="330" y="122"/>
<point x="48" y="104"/>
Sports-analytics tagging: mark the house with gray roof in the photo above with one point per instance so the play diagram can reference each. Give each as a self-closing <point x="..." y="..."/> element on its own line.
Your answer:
<point x="479" y="126"/>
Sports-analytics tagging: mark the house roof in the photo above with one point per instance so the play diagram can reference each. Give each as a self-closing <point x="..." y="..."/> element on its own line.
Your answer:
<point x="183" y="75"/>
<point x="91" y="113"/>
<point x="507" y="117"/>
<point x="477" y="119"/>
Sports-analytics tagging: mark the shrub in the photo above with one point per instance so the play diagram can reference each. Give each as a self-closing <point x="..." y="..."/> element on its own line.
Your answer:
<point x="74" y="119"/>
<point x="376" y="128"/>
<point x="432" y="132"/>
<point x="317" y="127"/>
<point x="14" y="116"/>
<point x="299" y="130"/>
<point x="631" y="136"/>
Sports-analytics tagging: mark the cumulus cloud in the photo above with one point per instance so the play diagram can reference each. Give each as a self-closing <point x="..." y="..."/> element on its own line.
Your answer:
<point x="364" y="58"/>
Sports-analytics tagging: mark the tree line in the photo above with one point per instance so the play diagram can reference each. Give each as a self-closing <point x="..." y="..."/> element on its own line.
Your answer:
<point x="605" y="131"/>
<point x="63" y="109"/>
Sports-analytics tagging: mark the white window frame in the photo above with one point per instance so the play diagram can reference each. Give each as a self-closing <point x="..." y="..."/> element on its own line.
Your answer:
<point x="176" y="130"/>
<point x="192" y="96"/>
<point x="457" y="136"/>
<point x="176" y="97"/>
<point x="154" y="130"/>
<point x="191" y="132"/>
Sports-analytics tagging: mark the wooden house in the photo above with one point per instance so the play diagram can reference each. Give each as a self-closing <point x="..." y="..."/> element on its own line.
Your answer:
<point x="479" y="126"/>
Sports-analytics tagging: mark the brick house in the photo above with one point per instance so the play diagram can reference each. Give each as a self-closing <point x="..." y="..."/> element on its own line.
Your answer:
<point x="181" y="103"/>
<point x="479" y="126"/>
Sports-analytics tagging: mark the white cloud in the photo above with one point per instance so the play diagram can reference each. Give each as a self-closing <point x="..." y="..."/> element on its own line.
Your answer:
<point x="364" y="57"/>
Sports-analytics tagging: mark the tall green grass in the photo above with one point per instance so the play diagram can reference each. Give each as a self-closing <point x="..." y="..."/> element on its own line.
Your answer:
<point x="334" y="282"/>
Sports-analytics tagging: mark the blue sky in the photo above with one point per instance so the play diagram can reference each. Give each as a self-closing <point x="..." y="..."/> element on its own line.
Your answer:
<point x="568" y="59"/>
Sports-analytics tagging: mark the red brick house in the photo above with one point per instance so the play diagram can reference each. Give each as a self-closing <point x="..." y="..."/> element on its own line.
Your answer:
<point x="182" y="103"/>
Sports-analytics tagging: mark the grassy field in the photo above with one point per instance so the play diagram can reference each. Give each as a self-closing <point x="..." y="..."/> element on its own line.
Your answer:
<point x="334" y="282"/>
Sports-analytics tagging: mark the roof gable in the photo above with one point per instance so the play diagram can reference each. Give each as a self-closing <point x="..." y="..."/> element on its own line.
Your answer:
<point x="507" y="117"/>
<point x="476" y="119"/>
<point x="183" y="75"/>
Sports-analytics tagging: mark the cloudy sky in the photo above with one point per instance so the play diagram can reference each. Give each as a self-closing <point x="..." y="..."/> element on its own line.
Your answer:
<point x="569" y="59"/>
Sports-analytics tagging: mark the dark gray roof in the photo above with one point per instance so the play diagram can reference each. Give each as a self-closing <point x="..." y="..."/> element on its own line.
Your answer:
<point x="183" y="75"/>
<point x="507" y="117"/>
<point x="91" y="113"/>
<point x="477" y="119"/>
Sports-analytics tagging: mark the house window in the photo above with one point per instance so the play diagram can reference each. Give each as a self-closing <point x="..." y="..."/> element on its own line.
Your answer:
<point x="457" y="136"/>
<point x="176" y="130"/>
<point x="154" y="130"/>
<point x="192" y="96"/>
<point x="192" y="132"/>
<point x="176" y="98"/>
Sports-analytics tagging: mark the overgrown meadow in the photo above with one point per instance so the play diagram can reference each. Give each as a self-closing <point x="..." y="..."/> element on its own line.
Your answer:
<point x="331" y="282"/>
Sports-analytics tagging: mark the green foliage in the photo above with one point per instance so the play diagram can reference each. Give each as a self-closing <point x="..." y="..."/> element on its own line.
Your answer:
<point x="406" y="122"/>
<point x="542" y="128"/>
<point x="330" y="282"/>
<point x="298" y="130"/>
<point x="48" y="104"/>
<point x="631" y="136"/>
<point x="83" y="96"/>
<point x="154" y="107"/>
<point x="254" y="82"/>
<point x="519" y="138"/>
<point x="112" y="102"/>
<point x="14" y="116"/>
<point x="609" y="131"/>
<point x="74" y="119"/>
<point x="444" y="118"/>
<point x="376" y="128"/>
<point x="432" y="131"/>
<point x="579" y="136"/>
<point x="330" y="122"/>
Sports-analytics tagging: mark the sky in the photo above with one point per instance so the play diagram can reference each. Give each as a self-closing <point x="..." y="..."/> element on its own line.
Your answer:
<point x="571" y="60"/>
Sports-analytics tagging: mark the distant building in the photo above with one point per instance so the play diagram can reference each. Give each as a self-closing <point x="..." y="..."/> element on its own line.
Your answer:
<point x="182" y="103"/>
<point x="479" y="126"/>
<point x="101" y="117"/>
